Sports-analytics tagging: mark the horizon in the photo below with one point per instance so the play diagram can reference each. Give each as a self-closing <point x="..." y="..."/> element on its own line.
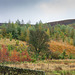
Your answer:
<point x="36" y="10"/>
<point x="37" y="22"/>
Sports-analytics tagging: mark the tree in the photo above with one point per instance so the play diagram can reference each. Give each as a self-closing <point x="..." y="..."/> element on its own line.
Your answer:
<point x="3" y="30"/>
<point x="22" y="36"/>
<point x="38" y="41"/>
<point x="19" y="30"/>
<point x="18" y="22"/>
<point x="10" y="36"/>
<point x="48" y="32"/>
<point x="27" y="35"/>
<point x="74" y="38"/>
<point x="40" y="25"/>
<point x="22" y="22"/>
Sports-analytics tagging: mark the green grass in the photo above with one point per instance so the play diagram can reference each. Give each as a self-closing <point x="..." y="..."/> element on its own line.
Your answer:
<point x="62" y="72"/>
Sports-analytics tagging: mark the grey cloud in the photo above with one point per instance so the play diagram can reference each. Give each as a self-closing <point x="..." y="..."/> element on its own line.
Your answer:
<point x="46" y="10"/>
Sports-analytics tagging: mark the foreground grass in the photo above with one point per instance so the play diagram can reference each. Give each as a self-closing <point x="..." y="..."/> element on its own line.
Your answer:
<point x="51" y="67"/>
<point x="62" y="72"/>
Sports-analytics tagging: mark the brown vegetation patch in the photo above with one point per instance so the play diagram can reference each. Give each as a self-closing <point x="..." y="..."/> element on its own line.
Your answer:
<point x="60" y="46"/>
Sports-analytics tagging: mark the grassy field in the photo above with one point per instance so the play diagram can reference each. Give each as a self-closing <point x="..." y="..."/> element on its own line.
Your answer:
<point x="49" y="66"/>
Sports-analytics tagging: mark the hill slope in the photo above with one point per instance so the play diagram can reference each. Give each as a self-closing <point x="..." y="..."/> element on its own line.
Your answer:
<point x="65" y="22"/>
<point x="54" y="45"/>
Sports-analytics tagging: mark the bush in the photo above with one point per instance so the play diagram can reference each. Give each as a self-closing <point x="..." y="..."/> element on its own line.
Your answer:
<point x="17" y="43"/>
<point x="70" y="56"/>
<point x="55" y="55"/>
<point x="63" y="55"/>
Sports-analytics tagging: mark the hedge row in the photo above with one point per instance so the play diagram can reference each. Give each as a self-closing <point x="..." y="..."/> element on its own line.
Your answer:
<point x="4" y="70"/>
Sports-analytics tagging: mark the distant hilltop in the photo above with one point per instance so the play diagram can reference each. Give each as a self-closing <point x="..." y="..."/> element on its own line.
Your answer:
<point x="62" y="22"/>
<point x="1" y="24"/>
<point x="65" y="22"/>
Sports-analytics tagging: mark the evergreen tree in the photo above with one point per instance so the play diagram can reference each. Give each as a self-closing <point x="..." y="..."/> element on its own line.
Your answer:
<point x="38" y="40"/>
<point x="48" y="32"/>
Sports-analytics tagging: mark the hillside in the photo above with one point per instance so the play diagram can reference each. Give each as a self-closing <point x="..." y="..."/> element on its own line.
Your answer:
<point x="54" y="45"/>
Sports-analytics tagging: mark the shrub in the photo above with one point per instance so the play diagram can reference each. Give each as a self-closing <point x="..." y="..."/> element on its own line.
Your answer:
<point x="63" y="55"/>
<point x="17" y="43"/>
<point x="4" y="55"/>
<point x="25" y="56"/>
<point x="70" y="56"/>
<point x="15" y="56"/>
<point x="55" y="55"/>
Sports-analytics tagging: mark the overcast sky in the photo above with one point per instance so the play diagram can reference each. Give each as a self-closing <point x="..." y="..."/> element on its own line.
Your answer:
<point x="35" y="10"/>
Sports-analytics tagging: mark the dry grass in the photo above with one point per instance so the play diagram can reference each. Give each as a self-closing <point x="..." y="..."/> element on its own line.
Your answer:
<point x="8" y="42"/>
<point x="47" y="65"/>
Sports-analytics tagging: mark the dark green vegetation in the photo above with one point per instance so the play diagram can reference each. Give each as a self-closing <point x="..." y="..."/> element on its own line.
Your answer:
<point x="40" y="44"/>
<point x="19" y="31"/>
<point x="4" y="70"/>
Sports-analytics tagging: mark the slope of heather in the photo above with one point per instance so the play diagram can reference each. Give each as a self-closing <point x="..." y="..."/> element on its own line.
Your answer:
<point x="60" y="46"/>
<point x="54" y="45"/>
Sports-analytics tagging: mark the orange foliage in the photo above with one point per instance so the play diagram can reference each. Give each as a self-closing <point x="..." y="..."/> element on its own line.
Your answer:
<point x="60" y="46"/>
<point x="15" y="56"/>
<point x="25" y="56"/>
<point x="4" y="55"/>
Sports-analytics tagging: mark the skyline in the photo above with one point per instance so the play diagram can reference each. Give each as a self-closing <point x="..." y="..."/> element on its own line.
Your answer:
<point x="36" y="10"/>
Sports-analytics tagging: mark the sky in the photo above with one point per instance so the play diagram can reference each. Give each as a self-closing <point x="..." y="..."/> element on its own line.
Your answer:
<point x="36" y="10"/>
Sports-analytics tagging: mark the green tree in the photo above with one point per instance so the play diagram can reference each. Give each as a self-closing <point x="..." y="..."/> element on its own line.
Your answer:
<point x="27" y="34"/>
<point x="48" y="32"/>
<point x="38" y="41"/>
<point x="18" y="22"/>
<point x="74" y="38"/>
<point x="3" y="30"/>
<point x="10" y="36"/>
